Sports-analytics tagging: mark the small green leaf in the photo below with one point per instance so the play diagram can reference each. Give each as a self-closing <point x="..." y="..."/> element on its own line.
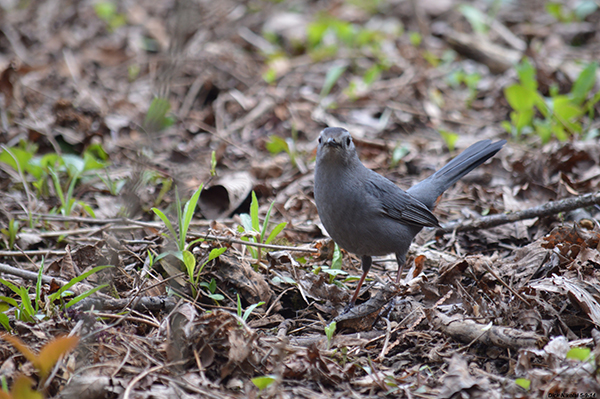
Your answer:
<point x="449" y="137"/>
<point x="250" y="308"/>
<point x="216" y="252"/>
<point x="523" y="383"/>
<point x="276" y="230"/>
<point x="520" y="97"/>
<point x="582" y="354"/>
<point x="584" y="83"/>
<point x="263" y="382"/>
<point x="276" y="145"/>
<point x="332" y="76"/>
<point x="254" y="213"/>
<point x="336" y="262"/>
<point x="189" y="260"/>
<point x="527" y="75"/>
<point x="476" y="18"/>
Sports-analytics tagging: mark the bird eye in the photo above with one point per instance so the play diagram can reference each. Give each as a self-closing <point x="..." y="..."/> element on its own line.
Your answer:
<point x="320" y="139"/>
<point x="348" y="141"/>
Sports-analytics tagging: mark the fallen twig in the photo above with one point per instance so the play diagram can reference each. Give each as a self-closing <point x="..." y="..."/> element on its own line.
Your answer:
<point x="549" y="208"/>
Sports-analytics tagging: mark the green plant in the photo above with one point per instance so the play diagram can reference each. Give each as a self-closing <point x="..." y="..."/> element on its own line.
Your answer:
<point x="64" y="292"/>
<point x="54" y="167"/>
<point x="212" y="288"/>
<point x="449" y="138"/>
<point x="107" y="11"/>
<point x="67" y="201"/>
<point x="263" y="382"/>
<point x="562" y="114"/>
<point x="329" y="331"/>
<point x="244" y="316"/>
<point x="523" y="383"/>
<point x="336" y="267"/>
<point x="194" y="275"/>
<point x="254" y="232"/>
<point x="276" y="145"/>
<point x="11" y="233"/>
<point x="184" y="218"/>
<point x="566" y="14"/>
<point x="470" y="80"/>
<point x="156" y="118"/>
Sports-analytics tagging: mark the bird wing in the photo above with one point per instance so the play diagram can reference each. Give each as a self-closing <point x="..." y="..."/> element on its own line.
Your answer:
<point x="397" y="204"/>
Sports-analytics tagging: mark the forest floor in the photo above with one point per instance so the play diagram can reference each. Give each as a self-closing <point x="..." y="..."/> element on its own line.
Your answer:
<point x="115" y="114"/>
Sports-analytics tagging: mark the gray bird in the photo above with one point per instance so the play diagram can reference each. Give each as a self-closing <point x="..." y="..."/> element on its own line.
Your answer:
<point x="367" y="214"/>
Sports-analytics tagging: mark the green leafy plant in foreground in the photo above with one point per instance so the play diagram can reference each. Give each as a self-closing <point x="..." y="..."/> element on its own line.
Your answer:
<point x="183" y="253"/>
<point x="254" y="232"/>
<point x="29" y="311"/>
<point x="562" y="114"/>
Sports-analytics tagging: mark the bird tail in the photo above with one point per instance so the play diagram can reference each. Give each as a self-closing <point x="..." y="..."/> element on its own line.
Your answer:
<point x="431" y="188"/>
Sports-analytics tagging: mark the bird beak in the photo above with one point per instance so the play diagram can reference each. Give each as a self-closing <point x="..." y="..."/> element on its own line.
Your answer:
<point x="331" y="142"/>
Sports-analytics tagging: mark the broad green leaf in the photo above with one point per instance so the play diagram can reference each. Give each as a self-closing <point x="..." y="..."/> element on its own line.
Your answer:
<point x="189" y="260"/>
<point x="520" y="97"/>
<point x="449" y="138"/>
<point x="215" y="253"/>
<point x="582" y="354"/>
<point x="523" y="383"/>
<point x="584" y="83"/>
<point x="19" y="155"/>
<point x="263" y="382"/>
<point x="5" y="322"/>
<point x="276" y="144"/>
<point x="22" y="389"/>
<point x="336" y="262"/>
<point x="527" y="75"/>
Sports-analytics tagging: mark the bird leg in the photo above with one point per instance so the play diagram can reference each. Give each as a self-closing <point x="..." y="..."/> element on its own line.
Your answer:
<point x="366" y="266"/>
<point x="401" y="261"/>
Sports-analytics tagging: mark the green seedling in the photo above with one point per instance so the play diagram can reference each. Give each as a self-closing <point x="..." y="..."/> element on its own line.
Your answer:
<point x="194" y="275"/>
<point x="67" y="201"/>
<point x="276" y="145"/>
<point x="64" y="290"/>
<point x="561" y="114"/>
<point x="11" y="233"/>
<point x="264" y="381"/>
<point x="156" y="118"/>
<point x="470" y="80"/>
<point x="107" y="12"/>
<point x="212" y="288"/>
<point x="184" y="218"/>
<point x="523" y="383"/>
<point x="254" y="232"/>
<point x="329" y="331"/>
<point x="246" y="313"/>
<point x="449" y="138"/>
<point x="566" y="14"/>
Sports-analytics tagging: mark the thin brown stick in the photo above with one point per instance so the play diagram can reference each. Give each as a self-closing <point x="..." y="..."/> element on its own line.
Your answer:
<point x="547" y="209"/>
